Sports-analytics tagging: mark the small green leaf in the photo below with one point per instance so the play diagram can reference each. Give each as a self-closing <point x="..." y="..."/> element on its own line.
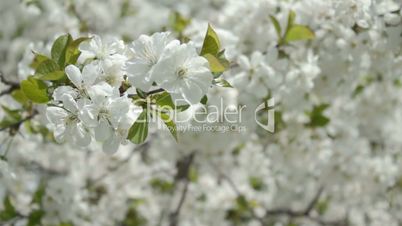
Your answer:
<point x="178" y="22"/>
<point x="73" y="52"/>
<point x="12" y="114"/>
<point x="46" y="67"/>
<point x="19" y="96"/>
<point x="59" y="48"/>
<point x="161" y="185"/>
<point x="222" y="83"/>
<point x="317" y="117"/>
<point x="35" y="90"/>
<point x="7" y="123"/>
<point x="204" y="100"/>
<point x="214" y="64"/>
<point x="164" y="100"/>
<point x="53" y="76"/>
<point x="211" y="43"/>
<point x="141" y="93"/>
<point x="139" y="130"/>
<point x="39" y="193"/>
<point x="170" y="124"/>
<point x="257" y="183"/>
<point x="9" y="211"/>
<point x="291" y="19"/>
<point x="299" y="33"/>
<point x="182" y="108"/>
<point x="49" y="70"/>
<point x="38" y="59"/>
<point x="277" y="26"/>
<point x="35" y="218"/>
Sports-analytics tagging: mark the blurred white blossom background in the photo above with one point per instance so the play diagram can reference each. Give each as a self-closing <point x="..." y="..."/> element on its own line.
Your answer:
<point x="335" y="158"/>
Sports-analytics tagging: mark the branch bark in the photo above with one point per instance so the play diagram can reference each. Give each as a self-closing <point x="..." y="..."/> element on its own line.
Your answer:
<point x="12" y="85"/>
<point x="183" y="171"/>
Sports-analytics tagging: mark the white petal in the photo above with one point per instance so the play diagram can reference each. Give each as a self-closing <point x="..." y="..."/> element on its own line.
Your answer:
<point x="99" y="91"/>
<point x="89" y="115"/>
<point x="90" y="74"/>
<point x="69" y="103"/>
<point x="74" y="74"/>
<point x="60" y="91"/>
<point x="59" y="133"/>
<point x="244" y="63"/>
<point x="103" y="131"/>
<point x="81" y="135"/>
<point x="192" y="93"/>
<point x="56" y="115"/>
<point x="111" y="145"/>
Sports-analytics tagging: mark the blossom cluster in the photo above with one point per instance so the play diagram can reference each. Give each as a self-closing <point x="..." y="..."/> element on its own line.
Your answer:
<point x="94" y="105"/>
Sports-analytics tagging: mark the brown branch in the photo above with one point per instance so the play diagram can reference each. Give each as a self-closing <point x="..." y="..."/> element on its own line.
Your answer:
<point x="12" y="85"/>
<point x="17" y="125"/>
<point x="183" y="171"/>
<point x="306" y="213"/>
<point x="155" y="91"/>
<point x="148" y="93"/>
<point x="300" y="213"/>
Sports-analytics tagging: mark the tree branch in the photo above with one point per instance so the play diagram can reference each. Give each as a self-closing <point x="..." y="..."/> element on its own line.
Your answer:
<point x="183" y="172"/>
<point x="12" y="85"/>
<point x="17" y="125"/>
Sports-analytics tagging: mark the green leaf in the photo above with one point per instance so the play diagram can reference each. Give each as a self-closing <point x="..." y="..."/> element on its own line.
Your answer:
<point x="211" y="43"/>
<point x="222" y="83"/>
<point x="53" y="76"/>
<point x="134" y="218"/>
<point x="178" y="22"/>
<point x="49" y="70"/>
<point x="193" y="174"/>
<point x="38" y="59"/>
<point x="317" y="118"/>
<point x="164" y="100"/>
<point x="169" y="124"/>
<point x="46" y="67"/>
<point x="73" y="51"/>
<point x="291" y="19"/>
<point x="299" y="33"/>
<point x="139" y="130"/>
<point x="182" y="108"/>
<point x="277" y="26"/>
<point x="204" y="100"/>
<point x="65" y="224"/>
<point x="141" y="93"/>
<point x="161" y="185"/>
<point x="14" y="115"/>
<point x="38" y="195"/>
<point x="59" y="48"/>
<point x="35" y="90"/>
<point x="19" y="96"/>
<point x="9" y="211"/>
<point x="322" y="206"/>
<point x="214" y="64"/>
<point x="257" y="183"/>
<point x="35" y="218"/>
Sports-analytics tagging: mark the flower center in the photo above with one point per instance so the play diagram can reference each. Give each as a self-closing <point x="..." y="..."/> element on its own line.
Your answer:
<point x="111" y="79"/>
<point x="71" y="119"/>
<point x="181" y="72"/>
<point x="104" y="113"/>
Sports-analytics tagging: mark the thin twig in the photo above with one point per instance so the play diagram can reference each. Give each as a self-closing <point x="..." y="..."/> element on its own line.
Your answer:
<point x="149" y="93"/>
<point x="182" y="174"/>
<point x="12" y="85"/>
<point x="18" y="124"/>
<point x="155" y="91"/>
